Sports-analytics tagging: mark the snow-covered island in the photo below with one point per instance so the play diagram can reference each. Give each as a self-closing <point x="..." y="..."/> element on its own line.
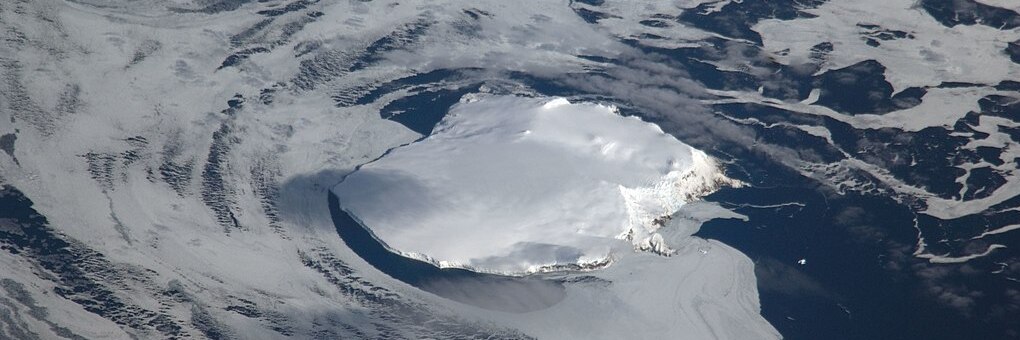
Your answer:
<point x="515" y="185"/>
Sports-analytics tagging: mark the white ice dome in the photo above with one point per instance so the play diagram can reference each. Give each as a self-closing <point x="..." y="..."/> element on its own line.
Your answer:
<point x="518" y="185"/>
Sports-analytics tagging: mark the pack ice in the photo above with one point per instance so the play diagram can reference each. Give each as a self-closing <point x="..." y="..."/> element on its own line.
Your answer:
<point x="520" y="185"/>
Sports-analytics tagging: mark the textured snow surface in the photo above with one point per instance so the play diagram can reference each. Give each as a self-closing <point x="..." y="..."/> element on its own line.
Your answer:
<point x="183" y="151"/>
<point x="516" y="185"/>
<point x="172" y="157"/>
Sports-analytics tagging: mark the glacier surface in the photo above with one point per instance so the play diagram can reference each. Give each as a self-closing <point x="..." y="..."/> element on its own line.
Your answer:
<point x="520" y="185"/>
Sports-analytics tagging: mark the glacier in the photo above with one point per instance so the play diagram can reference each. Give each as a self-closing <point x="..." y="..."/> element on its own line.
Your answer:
<point x="515" y="185"/>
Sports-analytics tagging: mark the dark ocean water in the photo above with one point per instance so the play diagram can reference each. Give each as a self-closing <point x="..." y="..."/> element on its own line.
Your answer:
<point x="848" y="288"/>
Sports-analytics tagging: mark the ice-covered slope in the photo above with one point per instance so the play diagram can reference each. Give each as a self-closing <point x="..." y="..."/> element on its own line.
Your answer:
<point x="518" y="185"/>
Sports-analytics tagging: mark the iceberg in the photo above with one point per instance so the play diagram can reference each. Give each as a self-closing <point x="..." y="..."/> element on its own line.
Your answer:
<point x="516" y="185"/>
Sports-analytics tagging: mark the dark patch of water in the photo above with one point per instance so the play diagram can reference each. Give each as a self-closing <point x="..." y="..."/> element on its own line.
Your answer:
<point x="859" y="279"/>
<point x="970" y="12"/>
